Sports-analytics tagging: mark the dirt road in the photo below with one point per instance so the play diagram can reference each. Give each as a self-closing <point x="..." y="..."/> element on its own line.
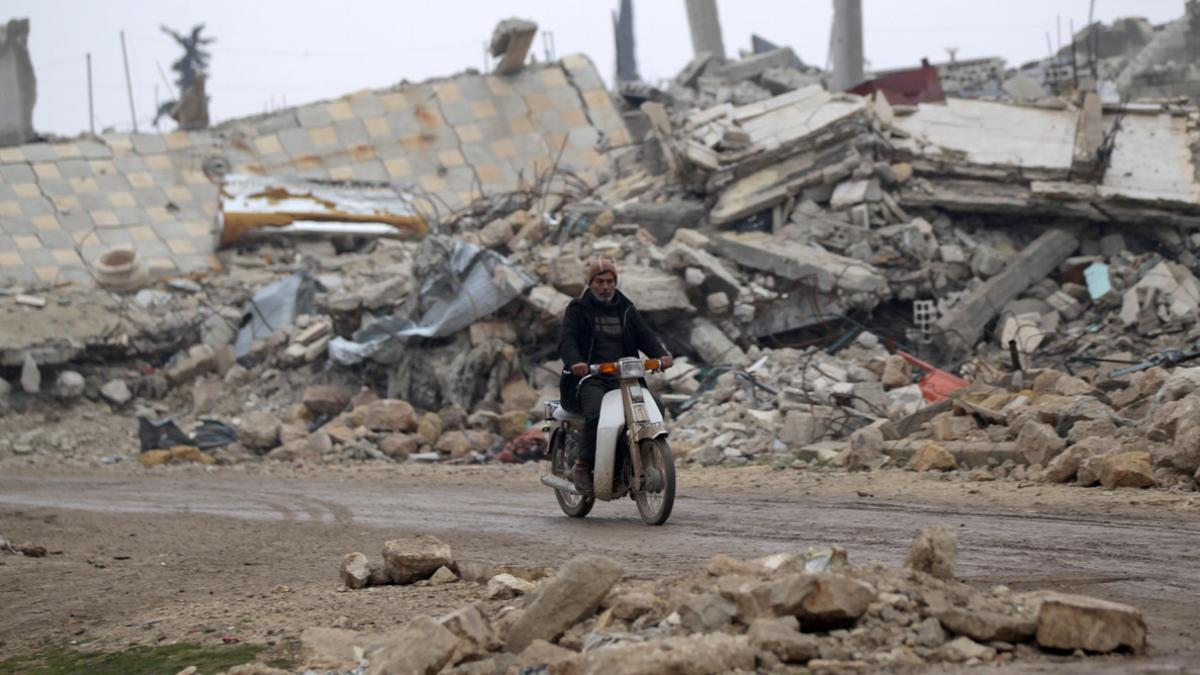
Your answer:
<point x="233" y="535"/>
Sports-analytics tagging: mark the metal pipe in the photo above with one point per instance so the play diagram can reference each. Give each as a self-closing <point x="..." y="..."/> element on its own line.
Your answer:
<point x="128" y="82"/>
<point x="91" y="109"/>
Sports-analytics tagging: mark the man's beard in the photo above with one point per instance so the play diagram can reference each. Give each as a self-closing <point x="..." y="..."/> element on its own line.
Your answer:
<point x="605" y="298"/>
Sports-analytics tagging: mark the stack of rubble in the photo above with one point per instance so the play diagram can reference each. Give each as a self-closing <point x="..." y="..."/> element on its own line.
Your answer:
<point x="788" y="216"/>
<point x="808" y="610"/>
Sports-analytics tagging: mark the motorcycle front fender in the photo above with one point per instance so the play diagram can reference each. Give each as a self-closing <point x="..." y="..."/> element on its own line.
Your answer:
<point x="608" y="433"/>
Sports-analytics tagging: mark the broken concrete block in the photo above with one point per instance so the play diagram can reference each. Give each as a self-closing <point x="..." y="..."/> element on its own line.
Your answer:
<point x="411" y="559"/>
<point x="1038" y="443"/>
<point x="706" y="613"/>
<point x="795" y="262"/>
<point x="1065" y="305"/>
<point x="549" y="300"/>
<point x="654" y="292"/>
<point x="327" y="399"/>
<point x="572" y="594"/>
<point x="200" y="359"/>
<point x="783" y="638"/>
<point x="986" y="262"/>
<point x="1077" y="622"/>
<point x="423" y="646"/>
<point x="712" y="345"/>
<point x="476" y="636"/>
<point x="507" y="586"/>
<point x="511" y="39"/>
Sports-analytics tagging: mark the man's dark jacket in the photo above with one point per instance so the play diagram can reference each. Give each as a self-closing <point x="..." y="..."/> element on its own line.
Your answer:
<point x="576" y="341"/>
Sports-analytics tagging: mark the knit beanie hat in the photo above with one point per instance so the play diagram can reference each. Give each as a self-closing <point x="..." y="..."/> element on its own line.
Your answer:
<point x="599" y="266"/>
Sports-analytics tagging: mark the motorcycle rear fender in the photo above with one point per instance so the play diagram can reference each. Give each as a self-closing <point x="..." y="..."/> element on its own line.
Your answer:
<point x="612" y="424"/>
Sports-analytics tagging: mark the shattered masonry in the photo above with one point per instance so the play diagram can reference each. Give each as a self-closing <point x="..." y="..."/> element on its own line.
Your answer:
<point x="62" y="205"/>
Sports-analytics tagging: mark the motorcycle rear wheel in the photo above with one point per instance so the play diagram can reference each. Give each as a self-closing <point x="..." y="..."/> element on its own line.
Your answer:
<point x="575" y="506"/>
<point x="658" y="464"/>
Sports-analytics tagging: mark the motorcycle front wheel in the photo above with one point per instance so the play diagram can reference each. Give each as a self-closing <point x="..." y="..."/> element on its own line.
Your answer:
<point x="657" y="494"/>
<point x="575" y="506"/>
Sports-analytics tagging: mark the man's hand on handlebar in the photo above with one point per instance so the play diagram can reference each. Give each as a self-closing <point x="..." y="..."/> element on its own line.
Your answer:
<point x="666" y="362"/>
<point x="579" y="369"/>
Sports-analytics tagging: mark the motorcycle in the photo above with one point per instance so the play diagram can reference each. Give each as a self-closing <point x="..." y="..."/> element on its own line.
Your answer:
<point x="633" y="457"/>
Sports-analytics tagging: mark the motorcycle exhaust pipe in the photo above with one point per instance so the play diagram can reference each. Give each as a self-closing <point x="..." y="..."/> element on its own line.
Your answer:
<point x="550" y="480"/>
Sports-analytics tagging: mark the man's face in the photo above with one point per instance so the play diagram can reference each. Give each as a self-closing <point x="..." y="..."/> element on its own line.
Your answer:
<point x="604" y="286"/>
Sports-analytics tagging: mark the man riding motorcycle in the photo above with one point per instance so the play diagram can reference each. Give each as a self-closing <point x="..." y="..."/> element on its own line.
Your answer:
<point x="601" y="325"/>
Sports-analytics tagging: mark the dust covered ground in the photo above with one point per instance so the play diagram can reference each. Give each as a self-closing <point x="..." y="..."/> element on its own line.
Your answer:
<point x="250" y="553"/>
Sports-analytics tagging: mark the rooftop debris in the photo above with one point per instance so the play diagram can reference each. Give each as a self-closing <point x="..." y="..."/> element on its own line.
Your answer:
<point x="307" y="207"/>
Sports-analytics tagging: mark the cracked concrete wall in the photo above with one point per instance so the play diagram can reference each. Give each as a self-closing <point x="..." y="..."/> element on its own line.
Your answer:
<point x="18" y="84"/>
<point x="448" y="140"/>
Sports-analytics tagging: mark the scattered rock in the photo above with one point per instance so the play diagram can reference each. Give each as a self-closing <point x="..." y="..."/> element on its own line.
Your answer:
<point x="31" y="377"/>
<point x="334" y="649"/>
<point x="932" y="457"/>
<point x="69" y="385"/>
<point x="423" y="646"/>
<point x="386" y="415"/>
<point x="356" y="571"/>
<point x="1078" y="622"/>
<point x="506" y="586"/>
<point x="443" y="575"/>
<point x="475" y="633"/>
<point x="327" y="399"/>
<point x="1126" y="469"/>
<point x="934" y="552"/>
<point x="964" y="648"/>
<point x="782" y="637"/>
<point x="1038" y="443"/>
<point x="116" y="392"/>
<point x="411" y="559"/>
<point x="572" y="594"/>
<point x="259" y="430"/>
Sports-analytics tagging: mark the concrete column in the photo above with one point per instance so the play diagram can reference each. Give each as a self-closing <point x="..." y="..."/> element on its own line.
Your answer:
<point x="623" y="30"/>
<point x="846" y="45"/>
<point x="18" y="87"/>
<point x="705" y="26"/>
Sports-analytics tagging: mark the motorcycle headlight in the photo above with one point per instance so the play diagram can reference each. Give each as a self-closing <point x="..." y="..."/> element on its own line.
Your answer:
<point x="633" y="368"/>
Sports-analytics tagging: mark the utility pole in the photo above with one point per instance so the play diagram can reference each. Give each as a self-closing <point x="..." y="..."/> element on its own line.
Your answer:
<point x="128" y="82"/>
<point x="91" y="109"/>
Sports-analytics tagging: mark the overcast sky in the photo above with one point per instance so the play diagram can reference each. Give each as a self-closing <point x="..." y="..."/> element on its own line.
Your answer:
<point x="271" y="51"/>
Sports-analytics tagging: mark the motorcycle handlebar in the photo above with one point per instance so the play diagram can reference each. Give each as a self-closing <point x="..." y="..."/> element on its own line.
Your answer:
<point x="612" y="367"/>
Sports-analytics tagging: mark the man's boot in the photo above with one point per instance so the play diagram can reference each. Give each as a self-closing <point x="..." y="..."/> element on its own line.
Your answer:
<point x="582" y="477"/>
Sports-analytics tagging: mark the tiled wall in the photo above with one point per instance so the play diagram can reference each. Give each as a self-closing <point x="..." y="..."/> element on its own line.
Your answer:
<point x="450" y="138"/>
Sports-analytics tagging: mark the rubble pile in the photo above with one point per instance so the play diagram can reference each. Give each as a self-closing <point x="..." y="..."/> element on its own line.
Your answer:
<point x="829" y="269"/>
<point x="811" y="610"/>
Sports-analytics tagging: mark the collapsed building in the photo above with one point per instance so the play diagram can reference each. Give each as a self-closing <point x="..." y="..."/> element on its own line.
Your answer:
<point x="381" y="276"/>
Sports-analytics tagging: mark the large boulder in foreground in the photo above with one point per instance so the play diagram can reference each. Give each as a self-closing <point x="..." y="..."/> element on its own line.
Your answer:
<point x="571" y="595"/>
